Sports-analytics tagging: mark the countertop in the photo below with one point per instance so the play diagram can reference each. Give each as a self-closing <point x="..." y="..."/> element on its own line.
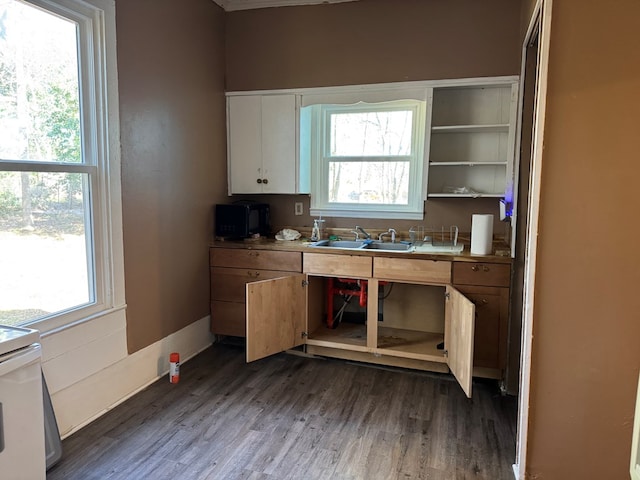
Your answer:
<point x="304" y="246"/>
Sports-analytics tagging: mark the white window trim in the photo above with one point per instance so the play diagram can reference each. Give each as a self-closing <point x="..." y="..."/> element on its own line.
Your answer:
<point x="101" y="143"/>
<point x="320" y="204"/>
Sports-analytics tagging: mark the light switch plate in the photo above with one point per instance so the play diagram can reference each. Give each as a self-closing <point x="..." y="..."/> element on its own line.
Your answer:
<point x="298" y="208"/>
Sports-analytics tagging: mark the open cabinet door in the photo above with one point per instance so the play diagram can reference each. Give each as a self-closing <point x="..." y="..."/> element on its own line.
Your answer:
<point x="459" y="331"/>
<point x="276" y="315"/>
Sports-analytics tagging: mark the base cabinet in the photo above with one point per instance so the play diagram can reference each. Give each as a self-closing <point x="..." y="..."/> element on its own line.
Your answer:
<point x="436" y="315"/>
<point x="487" y="286"/>
<point x="286" y="312"/>
<point x="233" y="268"/>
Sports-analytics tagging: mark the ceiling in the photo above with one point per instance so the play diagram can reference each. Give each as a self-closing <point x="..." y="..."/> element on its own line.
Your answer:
<point x="231" y="5"/>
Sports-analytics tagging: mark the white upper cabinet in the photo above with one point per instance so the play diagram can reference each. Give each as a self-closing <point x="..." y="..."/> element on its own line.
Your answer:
<point x="262" y="143"/>
<point x="472" y="140"/>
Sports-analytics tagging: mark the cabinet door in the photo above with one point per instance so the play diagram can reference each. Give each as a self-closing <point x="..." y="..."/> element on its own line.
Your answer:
<point x="279" y="144"/>
<point x="492" y="311"/>
<point x="227" y="318"/>
<point x="244" y="150"/>
<point x="262" y="143"/>
<point x="276" y="315"/>
<point x="227" y="284"/>
<point x="459" y="336"/>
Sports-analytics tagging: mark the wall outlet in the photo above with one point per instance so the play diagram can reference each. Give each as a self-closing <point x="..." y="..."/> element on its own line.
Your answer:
<point x="298" y="208"/>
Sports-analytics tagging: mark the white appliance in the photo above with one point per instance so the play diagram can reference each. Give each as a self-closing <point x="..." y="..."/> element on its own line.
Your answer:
<point x="634" y="468"/>
<point x="22" y="443"/>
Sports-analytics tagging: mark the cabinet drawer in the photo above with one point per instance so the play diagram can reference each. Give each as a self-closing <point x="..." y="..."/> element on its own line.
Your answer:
<point x="337" y="265"/>
<point x="228" y="318"/>
<point x="228" y="284"/>
<point x="255" y="259"/>
<point x="490" y="274"/>
<point x="409" y="270"/>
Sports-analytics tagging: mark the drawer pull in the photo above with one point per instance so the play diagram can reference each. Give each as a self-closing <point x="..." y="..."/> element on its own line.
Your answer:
<point x="476" y="268"/>
<point x="253" y="274"/>
<point x="254" y="254"/>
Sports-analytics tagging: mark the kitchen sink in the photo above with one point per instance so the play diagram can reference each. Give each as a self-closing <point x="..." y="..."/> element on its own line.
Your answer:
<point x="391" y="247"/>
<point x="350" y="244"/>
<point x="363" y="245"/>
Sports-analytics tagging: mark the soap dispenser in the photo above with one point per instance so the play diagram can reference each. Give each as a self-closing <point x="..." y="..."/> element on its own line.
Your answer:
<point x="318" y="230"/>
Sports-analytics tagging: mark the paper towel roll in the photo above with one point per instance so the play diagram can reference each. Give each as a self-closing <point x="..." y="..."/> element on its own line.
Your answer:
<point x="481" y="234"/>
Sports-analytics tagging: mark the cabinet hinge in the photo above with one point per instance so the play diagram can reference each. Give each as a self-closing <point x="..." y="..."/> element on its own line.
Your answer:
<point x="305" y="283"/>
<point x="447" y="295"/>
<point x="446" y="353"/>
<point x="304" y="335"/>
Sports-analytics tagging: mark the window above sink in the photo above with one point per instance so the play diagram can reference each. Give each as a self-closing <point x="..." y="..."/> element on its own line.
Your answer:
<point x="366" y="158"/>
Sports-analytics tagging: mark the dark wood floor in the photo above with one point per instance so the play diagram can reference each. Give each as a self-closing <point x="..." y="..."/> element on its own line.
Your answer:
<point x="288" y="417"/>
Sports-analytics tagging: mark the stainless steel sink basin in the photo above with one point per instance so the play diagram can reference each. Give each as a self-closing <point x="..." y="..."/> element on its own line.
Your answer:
<point x="351" y="244"/>
<point x="363" y="245"/>
<point x="391" y="247"/>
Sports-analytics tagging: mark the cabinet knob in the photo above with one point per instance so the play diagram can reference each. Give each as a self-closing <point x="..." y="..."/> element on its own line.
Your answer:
<point x="475" y="268"/>
<point x="253" y="274"/>
<point x="254" y="254"/>
<point x="485" y="268"/>
<point x="259" y="180"/>
<point x="265" y="181"/>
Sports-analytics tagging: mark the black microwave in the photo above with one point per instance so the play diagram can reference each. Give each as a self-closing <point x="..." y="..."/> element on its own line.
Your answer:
<point x="242" y="219"/>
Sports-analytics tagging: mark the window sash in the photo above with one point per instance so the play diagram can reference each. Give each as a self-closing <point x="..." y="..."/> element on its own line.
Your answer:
<point x="96" y="144"/>
<point x="321" y="141"/>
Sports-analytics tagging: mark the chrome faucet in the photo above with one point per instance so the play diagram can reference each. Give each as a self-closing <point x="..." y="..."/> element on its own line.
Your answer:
<point x="361" y="230"/>
<point x="391" y="232"/>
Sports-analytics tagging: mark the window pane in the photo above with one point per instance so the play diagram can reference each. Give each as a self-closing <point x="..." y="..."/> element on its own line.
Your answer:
<point x="39" y="99"/>
<point x="44" y="266"/>
<point x="371" y="133"/>
<point x="369" y="182"/>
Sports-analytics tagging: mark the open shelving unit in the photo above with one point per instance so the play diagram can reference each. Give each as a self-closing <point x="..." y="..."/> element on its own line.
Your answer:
<point x="472" y="141"/>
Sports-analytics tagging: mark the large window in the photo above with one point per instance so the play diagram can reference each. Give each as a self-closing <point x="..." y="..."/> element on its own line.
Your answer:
<point x="55" y="222"/>
<point x="367" y="159"/>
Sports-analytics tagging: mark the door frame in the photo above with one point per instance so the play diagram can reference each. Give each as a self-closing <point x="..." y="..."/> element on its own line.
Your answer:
<point x="539" y="23"/>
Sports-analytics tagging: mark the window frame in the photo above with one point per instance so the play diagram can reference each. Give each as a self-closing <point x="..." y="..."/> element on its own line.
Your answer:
<point x="321" y="159"/>
<point x="101" y="159"/>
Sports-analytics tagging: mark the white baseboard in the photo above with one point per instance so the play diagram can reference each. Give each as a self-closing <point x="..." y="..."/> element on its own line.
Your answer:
<point x="81" y="403"/>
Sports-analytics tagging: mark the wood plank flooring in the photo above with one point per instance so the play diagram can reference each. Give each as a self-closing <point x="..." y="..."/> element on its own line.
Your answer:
<point x="290" y="417"/>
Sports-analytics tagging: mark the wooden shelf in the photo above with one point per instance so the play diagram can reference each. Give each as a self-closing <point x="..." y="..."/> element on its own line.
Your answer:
<point x="465" y="164"/>
<point x="410" y="344"/>
<point x="466" y="195"/>
<point x="500" y="127"/>
<point x="346" y="334"/>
